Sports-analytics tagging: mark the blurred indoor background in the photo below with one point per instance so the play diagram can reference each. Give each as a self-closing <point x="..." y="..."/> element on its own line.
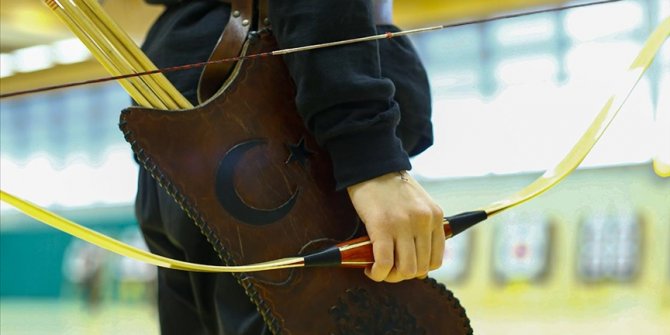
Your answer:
<point x="510" y="97"/>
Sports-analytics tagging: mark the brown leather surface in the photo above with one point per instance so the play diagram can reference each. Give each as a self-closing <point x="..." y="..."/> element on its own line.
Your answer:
<point x="229" y="45"/>
<point x="184" y="150"/>
<point x="235" y="33"/>
<point x="263" y="14"/>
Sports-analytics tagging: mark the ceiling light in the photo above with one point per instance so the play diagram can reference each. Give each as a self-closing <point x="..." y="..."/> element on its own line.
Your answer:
<point x="70" y="51"/>
<point x="6" y="67"/>
<point x="32" y="58"/>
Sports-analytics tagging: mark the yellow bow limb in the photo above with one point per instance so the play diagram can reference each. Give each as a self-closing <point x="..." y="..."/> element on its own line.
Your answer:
<point x="123" y="249"/>
<point x="608" y="112"/>
<point x="550" y="178"/>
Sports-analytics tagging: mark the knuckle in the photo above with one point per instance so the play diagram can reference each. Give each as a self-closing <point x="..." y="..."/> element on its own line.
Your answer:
<point x="424" y="212"/>
<point x="437" y="211"/>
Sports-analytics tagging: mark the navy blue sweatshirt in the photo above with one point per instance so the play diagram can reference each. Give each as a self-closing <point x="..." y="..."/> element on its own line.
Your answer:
<point x="367" y="104"/>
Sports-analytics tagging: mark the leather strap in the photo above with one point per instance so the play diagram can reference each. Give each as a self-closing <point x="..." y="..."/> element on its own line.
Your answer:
<point x="263" y="14"/>
<point x="233" y="37"/>
<point x="229" y="45"/>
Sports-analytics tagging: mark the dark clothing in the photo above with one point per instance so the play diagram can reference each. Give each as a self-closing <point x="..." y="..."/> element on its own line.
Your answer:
<point x="341" y="94"/>
<point x="359" y="101"/>
<point x="350" y="97"/>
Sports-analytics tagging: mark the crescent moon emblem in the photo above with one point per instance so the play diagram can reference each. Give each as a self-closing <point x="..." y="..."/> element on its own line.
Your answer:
<point x="230" y="200"/>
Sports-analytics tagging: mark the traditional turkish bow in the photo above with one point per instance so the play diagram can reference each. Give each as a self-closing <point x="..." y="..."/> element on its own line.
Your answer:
<point x="148" y="86"/>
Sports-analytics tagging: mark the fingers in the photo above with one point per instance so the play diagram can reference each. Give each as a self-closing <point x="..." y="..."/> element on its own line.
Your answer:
<point x="406" y="260"/>
<point x="437" y="238"/>
<point x="408" y="257"/>
<point x="404" y="266"/>
<point x="430" y="247"/>
<point x="437" y="250"/>
<point x="423" y="253"/>
<point x="404" y="225"/>
<point x="382" y="250"/>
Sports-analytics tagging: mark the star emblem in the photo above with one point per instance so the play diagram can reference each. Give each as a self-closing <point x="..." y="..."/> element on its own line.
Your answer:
<point x="299" y="152"/>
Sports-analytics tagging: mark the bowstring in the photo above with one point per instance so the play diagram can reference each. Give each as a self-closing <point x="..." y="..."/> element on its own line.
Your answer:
<point x="388" y="35"/>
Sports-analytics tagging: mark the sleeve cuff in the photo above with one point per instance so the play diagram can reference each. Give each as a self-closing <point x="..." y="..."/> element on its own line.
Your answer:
<point x="364" y="155"/>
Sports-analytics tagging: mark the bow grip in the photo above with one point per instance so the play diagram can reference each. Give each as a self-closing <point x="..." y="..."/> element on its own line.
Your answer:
<point x="357" y="253"/>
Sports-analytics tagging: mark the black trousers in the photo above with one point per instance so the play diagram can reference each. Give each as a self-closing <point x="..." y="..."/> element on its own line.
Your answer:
<point x="190" y="302"/>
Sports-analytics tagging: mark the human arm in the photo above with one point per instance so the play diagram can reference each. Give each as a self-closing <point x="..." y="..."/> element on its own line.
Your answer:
<point x="349" y="107"/>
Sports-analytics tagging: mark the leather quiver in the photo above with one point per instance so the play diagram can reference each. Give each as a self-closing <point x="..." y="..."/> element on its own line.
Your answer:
<point x="245" y="169"/>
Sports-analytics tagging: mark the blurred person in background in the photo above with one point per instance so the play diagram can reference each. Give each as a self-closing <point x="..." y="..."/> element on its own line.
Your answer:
<point x="83" y="265"/>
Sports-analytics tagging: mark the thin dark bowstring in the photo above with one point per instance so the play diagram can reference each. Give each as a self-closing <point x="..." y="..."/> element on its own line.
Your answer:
<point x="276" y="52"/>
<point x="132" y="75"/>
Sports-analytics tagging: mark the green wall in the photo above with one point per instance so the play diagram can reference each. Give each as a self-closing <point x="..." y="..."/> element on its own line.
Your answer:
<point x="31" y="254"/>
